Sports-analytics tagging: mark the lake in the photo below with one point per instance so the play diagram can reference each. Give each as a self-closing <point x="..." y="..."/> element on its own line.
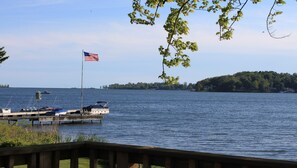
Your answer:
<point x="244" y="124"/>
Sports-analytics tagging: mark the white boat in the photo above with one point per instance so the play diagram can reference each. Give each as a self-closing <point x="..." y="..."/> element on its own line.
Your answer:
<point x="5" y="110"/>
<point x="100" y="108"/>
<point x="57" y="112"/>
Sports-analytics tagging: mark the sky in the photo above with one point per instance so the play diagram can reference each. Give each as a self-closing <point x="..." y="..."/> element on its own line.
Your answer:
<point x="45" y="39"/>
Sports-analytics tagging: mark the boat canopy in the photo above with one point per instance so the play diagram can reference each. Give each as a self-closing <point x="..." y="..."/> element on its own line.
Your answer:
<point x="99" y="102"/>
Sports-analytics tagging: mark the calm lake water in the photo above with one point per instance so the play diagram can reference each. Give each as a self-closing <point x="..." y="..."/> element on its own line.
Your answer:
<point x="245" y="124"/>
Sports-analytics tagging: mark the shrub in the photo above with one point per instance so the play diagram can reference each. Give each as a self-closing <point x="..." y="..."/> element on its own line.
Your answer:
<point x="11" y="135"/>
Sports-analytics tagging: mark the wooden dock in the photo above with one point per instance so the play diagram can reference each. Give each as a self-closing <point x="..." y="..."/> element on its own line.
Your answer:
<point x="40" y="117"/>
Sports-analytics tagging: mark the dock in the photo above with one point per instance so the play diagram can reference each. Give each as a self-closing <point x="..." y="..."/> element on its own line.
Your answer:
<point x="40" y="117"/>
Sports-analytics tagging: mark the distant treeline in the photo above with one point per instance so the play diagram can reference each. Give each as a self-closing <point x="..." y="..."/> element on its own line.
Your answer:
<point x="155" y="86"/>
<point x="262" y="81"/>
<point x="4" y="86"/>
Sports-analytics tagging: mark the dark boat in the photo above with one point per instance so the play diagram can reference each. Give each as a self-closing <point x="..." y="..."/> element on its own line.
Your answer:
<point x="45" y="92"/>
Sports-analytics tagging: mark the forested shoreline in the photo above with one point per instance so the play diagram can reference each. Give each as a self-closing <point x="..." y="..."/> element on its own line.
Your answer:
<point x="4" y="86"/>
<point x="152" y="86"/>
<point x="257" y="81"/>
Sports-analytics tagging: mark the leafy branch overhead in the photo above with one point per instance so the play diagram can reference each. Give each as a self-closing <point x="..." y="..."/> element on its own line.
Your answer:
<point x="2" y="55"/>
<point x="176" y="26"/>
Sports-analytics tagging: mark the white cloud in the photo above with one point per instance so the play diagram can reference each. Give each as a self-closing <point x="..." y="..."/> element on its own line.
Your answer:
<point x="114" y="38"/>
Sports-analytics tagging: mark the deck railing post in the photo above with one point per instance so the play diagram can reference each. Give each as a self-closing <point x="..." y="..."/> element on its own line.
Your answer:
<point x="217" y="165"/>
<point x="56" y="159"/>
<point x="45" y="160"/>
<point x="168" y="163"/>
<point x="10" y="162"/>
<point x="32" y="161"/>
<point x="111" y="159"/>
<point x="122" y="160"/>
<point x="74" y="159"/>
<point x="93" y="158"/>
<point x="192" y="163"/>
<point x="146" y="161"/>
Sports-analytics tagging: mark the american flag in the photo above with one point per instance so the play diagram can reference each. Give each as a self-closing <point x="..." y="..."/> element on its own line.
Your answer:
<point x="91" y="56"/>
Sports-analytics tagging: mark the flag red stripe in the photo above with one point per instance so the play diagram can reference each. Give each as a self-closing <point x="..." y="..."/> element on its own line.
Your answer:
<point x="91" y="57"/>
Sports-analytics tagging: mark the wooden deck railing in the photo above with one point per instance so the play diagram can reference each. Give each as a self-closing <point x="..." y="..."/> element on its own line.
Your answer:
<point x="124" y="156"/>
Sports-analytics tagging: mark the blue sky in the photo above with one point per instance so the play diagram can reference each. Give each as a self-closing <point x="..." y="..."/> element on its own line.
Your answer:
<point x="45" y="38"/>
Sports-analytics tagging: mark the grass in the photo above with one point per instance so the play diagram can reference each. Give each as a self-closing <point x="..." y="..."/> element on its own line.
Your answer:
<point x="82" y="163"/>
<point x="83" y="137"/>
<point x="12" y="136"/>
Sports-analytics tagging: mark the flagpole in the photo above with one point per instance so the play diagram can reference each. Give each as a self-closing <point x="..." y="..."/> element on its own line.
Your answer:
<point x="81" y="82"/>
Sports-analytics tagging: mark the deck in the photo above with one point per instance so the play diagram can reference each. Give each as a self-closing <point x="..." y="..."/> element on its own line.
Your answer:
<point x="124" y="156"/>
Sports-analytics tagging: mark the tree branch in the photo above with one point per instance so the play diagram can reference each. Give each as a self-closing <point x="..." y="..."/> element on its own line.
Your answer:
<point x="237" y="14"/>
<point x="269" y="21"/>
<point x="173" y="31"/>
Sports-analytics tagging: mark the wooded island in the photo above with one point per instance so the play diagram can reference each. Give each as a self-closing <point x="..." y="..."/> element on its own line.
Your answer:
<point x="260" y="81"/>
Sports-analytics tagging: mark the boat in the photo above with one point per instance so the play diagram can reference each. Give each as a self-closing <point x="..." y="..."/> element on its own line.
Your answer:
<point x="57" y="112"/>
<point x="34" y="109"/>
<point x="5" y="110"/>
<point x="100" y="108"/>
<point x="45" y="92"/>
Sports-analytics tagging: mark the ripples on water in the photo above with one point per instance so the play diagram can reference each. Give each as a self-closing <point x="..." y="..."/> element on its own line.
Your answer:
<point x="246" y="124"/>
